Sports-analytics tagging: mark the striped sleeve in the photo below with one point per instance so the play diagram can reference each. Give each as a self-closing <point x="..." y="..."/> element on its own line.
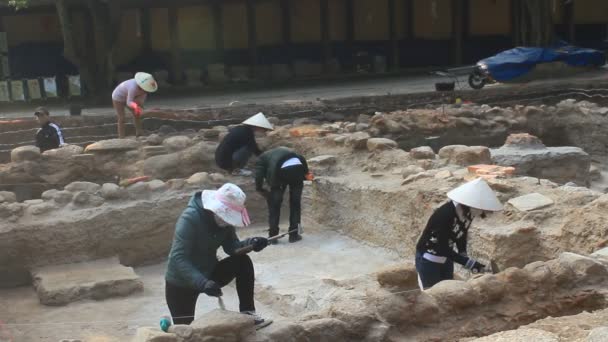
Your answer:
<point x="59" y="134"/>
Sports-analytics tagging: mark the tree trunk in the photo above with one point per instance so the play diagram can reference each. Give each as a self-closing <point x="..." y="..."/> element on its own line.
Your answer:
<point x="536" y="26"/>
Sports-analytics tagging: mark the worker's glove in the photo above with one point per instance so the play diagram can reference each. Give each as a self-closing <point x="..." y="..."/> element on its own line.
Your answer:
<point x="475" y="266"/>
<point x="137" y="110"/>
<point x="258" y="243"/>
<point x="211" y="288"/>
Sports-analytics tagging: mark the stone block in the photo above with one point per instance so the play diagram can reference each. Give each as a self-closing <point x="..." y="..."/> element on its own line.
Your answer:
<point x="151" y="151"/>
<point x="147" y="334"/>
<point x="443" y="174"/>
<point x="454" y="294"/>
<point x="491" y="171"/>
<point x="111" y="191"/>
<point x="598" y="335"/>
<point x="87" y="187"/>
<point x="411" y="170"/>
<point x="558" y="164"/>
<point x="378" y="144"/>
<point x="586" y="269"/>
<point x="112" y="145"/>
<point x="357" y="141"/>
<point x="324" y="160"/>
<point x="198" y="179"/>
<point x="520" y="335"/>
<point x="154" y="140"/>
<point x="25" y="153"/>
<point x="178" y="143"/>
<point x="223" y="326"/>
<point x="98" y="280"/>
<point x="423" y="152"/>
<point x="217" y="178"/>
<point x="530" y="202"/>
<point x="401" y="276"/>
<point x="157" y="185"/>
<point x="64" y="152"/>
<point x="326" y="330"/>
<point x="466" y="155"/>
<point x="63" y="197"/>
<point x="7" y="197"/>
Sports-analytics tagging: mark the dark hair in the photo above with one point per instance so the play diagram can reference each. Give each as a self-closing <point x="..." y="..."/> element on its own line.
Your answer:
<point x="42" y="110"/>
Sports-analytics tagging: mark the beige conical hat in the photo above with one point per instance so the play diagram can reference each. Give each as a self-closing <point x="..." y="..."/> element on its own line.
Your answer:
<point x="146" y="82"/>
<point x="259" y="120"/>
<point x="476" y="194"/>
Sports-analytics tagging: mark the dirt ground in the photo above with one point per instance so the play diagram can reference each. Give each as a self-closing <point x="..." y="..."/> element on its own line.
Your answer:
<point x="294" y="273"/>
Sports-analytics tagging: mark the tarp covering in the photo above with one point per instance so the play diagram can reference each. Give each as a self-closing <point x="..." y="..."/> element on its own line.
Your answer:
<point x="517" y="62"/>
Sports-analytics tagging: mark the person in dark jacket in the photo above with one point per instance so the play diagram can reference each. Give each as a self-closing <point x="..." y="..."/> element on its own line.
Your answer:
<point x="239" y="145"/>
<point x="282" y="168"/>
<point x="49" y="136"/>
<point x="448" y="228"/>
<point x="193" y="268"/>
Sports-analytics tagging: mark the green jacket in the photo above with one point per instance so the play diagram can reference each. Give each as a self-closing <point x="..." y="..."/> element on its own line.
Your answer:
<point x="269" y="163"/>
<point x="193" y="254"/>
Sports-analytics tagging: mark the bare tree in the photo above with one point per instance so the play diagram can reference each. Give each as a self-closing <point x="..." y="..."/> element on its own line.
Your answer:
<point x="94" y="59"/>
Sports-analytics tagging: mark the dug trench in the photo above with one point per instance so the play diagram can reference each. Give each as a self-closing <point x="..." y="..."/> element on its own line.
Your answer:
<point x="352" y="277"/>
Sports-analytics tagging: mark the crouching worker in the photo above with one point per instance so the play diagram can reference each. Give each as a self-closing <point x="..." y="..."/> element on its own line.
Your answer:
<point x="282" y="168"/>
<point x="447" y="228"/>
<point x="239" y="145"/>
<point x="206" y="224"/>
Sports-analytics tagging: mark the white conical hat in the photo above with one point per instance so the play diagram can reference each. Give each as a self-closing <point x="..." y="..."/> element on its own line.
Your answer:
<point x="476" y="194"/>
<point x="259" y="120"/>
<point x="146" y="82"/>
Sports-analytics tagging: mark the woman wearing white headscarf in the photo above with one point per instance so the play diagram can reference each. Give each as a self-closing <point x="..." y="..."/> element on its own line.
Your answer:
<point x="448" y="228"/>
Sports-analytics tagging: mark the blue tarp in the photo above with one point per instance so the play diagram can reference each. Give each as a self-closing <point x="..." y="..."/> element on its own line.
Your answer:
<point x="517" y="62"/>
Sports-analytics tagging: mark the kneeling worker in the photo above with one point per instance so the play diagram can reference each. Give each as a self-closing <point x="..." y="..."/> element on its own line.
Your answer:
<point x="281" y="167"/>
<point x="239" y="144"/>
<point x="206" y="224"/>
<point x="448" y="228"/>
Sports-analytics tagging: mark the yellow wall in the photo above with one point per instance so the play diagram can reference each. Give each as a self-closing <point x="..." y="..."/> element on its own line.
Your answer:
<point x="195" y="25"/>
<point x="235" y="25"/>
<point x="432" y="19"/>
<point x="305" y="21"/>
<point x="159" y="29"/>
<point x="490" y="17"/>
<point x="32" y="28"/>
<point x="268" y="23"/>
<point x="337" y="20"/>
<point x="371" y="19"/>
<point x="591" y="11"/>
<point x="128" y="41"/>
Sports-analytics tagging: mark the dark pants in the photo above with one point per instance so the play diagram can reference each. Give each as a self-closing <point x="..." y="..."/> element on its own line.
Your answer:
<point x="240" y="157"/>
<point x="182" y="301"/>
<point x="431" y="273"/>
<point x="292" y="177"/>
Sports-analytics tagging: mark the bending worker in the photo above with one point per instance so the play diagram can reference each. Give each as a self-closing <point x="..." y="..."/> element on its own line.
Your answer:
<point x="281" y="167"/>
<point x="448" y="228"/>
<point x="239" y="144"/>
<point x="206" y="224"/>
<point x="132" y="94"/>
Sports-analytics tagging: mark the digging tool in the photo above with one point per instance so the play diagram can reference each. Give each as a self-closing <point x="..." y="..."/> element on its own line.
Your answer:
<point x="249" y="248"/>
<point x="493" y="269"/>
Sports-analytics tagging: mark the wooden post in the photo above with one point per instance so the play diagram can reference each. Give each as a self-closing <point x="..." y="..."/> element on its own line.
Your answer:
<point x="218" y="29"/>
<point x="325" y="34"/>
<point x="457" y="30"/>
<point x="350" y="30"/>
<point x="409" y="19"/>
<point x="177" y="73"/>
<point x="570" y="21"/>
<point x="252" y="34"/>
<point x="286" y="30"/>
<point x="394" y="40"/>
<point x="146" y="35"/>
<point x="515" y="22"/>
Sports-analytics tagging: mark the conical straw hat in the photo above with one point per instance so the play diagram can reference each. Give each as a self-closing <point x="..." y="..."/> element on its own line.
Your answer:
<point x="476" y="194"/>
<point x="259" y="120"/>
<point x="146" y="82"/>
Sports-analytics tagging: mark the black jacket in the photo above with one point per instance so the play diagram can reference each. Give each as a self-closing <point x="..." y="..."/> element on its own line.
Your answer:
<point x="443" y="232"/>
<point x="236" y="138"/>
<point x="269" y="163"/>
<point x="49" y="137"/>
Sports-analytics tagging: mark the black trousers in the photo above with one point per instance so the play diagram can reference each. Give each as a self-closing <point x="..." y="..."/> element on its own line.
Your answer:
<point x="240" y="157"/>
<point x="275" y="200"/>
<point x="182" y="301"/>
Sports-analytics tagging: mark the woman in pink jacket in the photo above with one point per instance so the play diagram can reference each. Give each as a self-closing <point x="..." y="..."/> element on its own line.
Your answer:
<point x="132" y="94"/>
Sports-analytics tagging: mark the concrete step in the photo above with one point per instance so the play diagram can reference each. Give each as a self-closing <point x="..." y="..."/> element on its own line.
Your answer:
<point x="98" y="280"/>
